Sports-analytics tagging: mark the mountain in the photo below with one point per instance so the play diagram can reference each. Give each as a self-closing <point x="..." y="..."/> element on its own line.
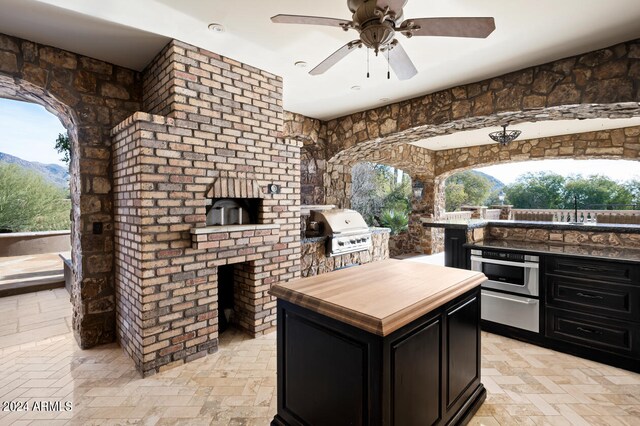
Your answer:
<point x="496" y="184"/>
<point x="53" y="173"/>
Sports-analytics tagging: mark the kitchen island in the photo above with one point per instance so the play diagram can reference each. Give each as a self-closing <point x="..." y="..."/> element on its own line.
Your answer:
<point x="392" y="342"/>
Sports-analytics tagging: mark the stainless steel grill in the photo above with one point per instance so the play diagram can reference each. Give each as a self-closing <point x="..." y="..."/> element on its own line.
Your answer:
<point x="345" y="229"/>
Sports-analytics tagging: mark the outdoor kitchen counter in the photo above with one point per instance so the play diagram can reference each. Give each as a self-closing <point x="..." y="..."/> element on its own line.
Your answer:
<point x="483" y="223"/>
<point x="532" y="247"/>
<point x="457" y="233"/>
<point x="391" y="342"/>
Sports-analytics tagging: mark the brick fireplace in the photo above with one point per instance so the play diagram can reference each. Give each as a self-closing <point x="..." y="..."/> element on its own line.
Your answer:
<point x="213" y="131"/>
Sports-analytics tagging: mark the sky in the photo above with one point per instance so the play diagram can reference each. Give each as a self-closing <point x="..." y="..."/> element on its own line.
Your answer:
<point x="29" y="131"/>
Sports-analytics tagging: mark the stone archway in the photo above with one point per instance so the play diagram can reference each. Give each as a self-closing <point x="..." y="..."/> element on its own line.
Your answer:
<point x="89" y="97"/>
<point x="615" y="144"/>
<point x="600" y="84"/>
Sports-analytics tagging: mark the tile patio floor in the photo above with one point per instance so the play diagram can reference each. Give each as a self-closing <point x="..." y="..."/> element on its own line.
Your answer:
<point x="40" y="361"/>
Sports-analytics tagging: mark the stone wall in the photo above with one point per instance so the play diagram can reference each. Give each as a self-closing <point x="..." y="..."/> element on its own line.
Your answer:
<point x="224" y="124"/>
<point x="89" y="97"/>
<point x="557" y="237"/>
<point x="600" y="84"/>
<point x="315" y="260"/>
<point x="621" y="144"/>
<point x="564" y="236"/>
<point x="312" y="156"/>
<point x="590" y="85"/>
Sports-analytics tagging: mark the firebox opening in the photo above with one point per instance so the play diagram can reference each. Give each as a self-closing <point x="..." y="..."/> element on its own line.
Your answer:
<point x="233" y="211"/>
<point x="233" y="281"/>
<point x="225" y="296"/>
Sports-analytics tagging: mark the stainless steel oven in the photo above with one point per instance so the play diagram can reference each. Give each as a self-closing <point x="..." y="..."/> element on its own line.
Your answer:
<point x="510" y="296"/>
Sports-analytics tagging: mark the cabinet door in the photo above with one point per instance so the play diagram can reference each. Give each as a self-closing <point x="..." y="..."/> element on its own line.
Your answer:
<point x="463" y="350"/>
<point x="417" y="376"/>
<point x="455" y="254"/>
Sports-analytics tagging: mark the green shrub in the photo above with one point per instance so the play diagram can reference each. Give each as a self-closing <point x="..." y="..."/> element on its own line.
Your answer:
<point x="28" y="203"/>
<point x="396" y="220"/>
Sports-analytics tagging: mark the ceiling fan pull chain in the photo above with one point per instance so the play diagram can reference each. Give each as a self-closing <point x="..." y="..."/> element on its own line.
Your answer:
<point x="367" y="63"/>
<point x="388" y="61"/>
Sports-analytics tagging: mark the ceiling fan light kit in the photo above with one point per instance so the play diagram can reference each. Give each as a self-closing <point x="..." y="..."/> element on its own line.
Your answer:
<point x="378" y="22"/>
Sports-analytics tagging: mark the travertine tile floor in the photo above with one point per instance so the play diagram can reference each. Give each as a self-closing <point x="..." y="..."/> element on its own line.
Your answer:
<point x="526" y="385"/>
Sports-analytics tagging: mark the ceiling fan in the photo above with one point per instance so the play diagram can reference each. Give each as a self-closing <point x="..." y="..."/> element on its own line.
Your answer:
<point x="378" y="21"/>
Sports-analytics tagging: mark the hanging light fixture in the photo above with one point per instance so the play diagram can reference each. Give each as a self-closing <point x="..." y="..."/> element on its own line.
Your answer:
<point x="504" y="137"/>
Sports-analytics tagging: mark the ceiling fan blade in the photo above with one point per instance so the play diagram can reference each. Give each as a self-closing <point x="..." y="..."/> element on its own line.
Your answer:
<point x="336" y="57"/>
<point x="450" y="27"/>
<point x="394" y="5"/>
<point x="400" y="62"/>
<point x="311" y="20"/>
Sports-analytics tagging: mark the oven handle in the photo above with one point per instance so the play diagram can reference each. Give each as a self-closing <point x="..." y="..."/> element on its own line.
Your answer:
<point x="492" y="294"/>
<point x="505" y="262"/>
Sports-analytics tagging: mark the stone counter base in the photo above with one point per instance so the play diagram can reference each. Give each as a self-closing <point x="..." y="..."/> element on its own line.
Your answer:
<point x="573" y="237"/>
<point x="316" y="262"/>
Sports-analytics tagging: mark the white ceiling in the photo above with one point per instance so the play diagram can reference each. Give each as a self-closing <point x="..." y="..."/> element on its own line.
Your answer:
<point x="131" y="32"/>
<point x="539" y="129"/>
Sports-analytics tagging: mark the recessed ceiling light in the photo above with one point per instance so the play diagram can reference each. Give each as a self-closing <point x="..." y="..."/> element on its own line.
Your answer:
<point x="356" y="87"/>
<point x="216" y="28"/>
<point x="300" y="64"/>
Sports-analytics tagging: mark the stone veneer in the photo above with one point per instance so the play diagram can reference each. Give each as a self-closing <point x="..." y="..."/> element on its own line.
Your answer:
<point x="89" y="97"/>
<point x="557" y="236"/>
<point x="600" y="84"/>
<point x="621" y="144"/>
<point x="222" y="123"/>
<point x="315" y="261"/>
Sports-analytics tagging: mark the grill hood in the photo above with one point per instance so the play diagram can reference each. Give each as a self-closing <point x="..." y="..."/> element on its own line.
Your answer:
<point x="345" y="229"/>
<point x="340" y="221"/>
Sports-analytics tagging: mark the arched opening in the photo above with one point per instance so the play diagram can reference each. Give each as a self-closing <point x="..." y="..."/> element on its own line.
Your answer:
<point x="382" y="194"/>
<point x="23" y="91"/>
<point x="554" y="189"/>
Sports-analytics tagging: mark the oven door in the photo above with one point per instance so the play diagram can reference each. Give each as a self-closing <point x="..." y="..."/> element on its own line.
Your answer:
<point x="514" y="311"/>
<point x="514" y="277"/>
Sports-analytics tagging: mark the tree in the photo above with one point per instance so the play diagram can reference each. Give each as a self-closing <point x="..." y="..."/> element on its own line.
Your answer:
<point x="547" y="190"/>
<point x="466" y="188"/>
<point x="28" y="203"/>
<point x="595" y="191"/>
<point x="633" y="186"/>
<point x="543" y="190"/>
<point x="376" y="188"/>
<point x="366" y="197"/>
<point x="63" y="146"/>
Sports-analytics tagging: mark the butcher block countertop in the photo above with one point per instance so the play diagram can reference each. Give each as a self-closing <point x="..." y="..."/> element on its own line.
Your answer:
<point x="379" y="297"/>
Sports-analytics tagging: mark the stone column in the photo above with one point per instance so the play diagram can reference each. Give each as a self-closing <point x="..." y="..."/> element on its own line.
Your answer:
<point x="477" y="212"/>
<point x="421" y="239"/>
<point x="505" y="210"/>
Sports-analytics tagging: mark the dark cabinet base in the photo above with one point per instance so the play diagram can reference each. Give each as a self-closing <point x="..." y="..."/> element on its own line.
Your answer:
<point x="426" y="373"/>
<point x="461" y="418"/>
